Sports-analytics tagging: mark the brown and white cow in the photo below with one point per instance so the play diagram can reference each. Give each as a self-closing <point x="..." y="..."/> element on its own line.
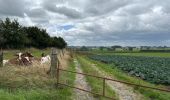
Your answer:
<point x="22" y="59"/>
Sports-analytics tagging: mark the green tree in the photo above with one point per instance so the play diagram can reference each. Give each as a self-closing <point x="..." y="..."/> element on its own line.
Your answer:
<point x="13" y="34"/>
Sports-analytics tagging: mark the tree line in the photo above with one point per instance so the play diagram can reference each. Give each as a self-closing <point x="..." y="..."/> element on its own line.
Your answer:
<point x="15" y="36"/>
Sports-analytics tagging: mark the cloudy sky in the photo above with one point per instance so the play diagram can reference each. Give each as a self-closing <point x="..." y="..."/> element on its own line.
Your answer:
<point x="96" y="22"/>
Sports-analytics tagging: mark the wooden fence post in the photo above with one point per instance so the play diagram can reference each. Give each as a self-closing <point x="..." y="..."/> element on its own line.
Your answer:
<point x="54" y="61"/>
<point x="63" y="52"/>
<point x="1" y="58"/>
<point x="60" y="54"/>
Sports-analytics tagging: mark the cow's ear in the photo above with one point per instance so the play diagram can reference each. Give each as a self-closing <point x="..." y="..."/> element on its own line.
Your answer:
<point x="42" y="55"/>
<point x="30" y="55"/>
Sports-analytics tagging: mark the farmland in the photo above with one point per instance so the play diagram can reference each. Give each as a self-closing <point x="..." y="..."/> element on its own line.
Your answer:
<point x="147" y="54"/>
<point x="32" y="82"/>
<point x="118" y="74"/>
<point x="152" y="69"/>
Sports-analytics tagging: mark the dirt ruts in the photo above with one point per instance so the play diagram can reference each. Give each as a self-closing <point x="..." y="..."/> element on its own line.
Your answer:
<point x="80" y="82"/>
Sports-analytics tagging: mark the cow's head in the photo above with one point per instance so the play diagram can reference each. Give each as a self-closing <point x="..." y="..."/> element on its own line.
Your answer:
<point x="27" y="54"/>
<point x="23" y="55"/>
<point x="19" y="55"/>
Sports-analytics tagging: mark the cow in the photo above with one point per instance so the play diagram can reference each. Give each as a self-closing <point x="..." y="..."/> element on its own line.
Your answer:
<point x="45" y="59"/>
<point x="22" y="59"/>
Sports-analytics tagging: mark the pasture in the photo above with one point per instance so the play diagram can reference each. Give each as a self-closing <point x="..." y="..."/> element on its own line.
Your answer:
<point x="32" y="82"/>
<point x="8" y="54"/>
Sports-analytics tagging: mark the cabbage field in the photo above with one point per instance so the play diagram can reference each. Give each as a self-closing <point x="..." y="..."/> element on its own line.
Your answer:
<point x="152" y="69"/>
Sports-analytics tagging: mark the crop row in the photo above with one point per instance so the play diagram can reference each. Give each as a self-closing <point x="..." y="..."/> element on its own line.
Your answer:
<point x="152" y="69"/>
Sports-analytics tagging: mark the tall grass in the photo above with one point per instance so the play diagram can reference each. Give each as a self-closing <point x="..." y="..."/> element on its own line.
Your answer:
<point x="33" y="83"/>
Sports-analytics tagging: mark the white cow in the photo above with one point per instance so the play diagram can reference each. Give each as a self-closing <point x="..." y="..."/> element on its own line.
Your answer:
<point x="45" y="59"/>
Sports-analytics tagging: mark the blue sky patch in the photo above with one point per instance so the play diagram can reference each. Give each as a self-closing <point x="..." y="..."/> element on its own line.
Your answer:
<point x="66" y="27"/>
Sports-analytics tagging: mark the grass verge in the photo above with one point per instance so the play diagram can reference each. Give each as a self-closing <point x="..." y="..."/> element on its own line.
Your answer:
<point x="95" y="83"/>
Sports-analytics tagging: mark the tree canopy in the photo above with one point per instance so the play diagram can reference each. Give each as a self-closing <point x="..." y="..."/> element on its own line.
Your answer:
<point x="15" y="36"/>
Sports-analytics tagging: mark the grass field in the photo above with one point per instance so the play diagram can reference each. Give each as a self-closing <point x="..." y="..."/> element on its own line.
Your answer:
<point x="8" y="54"/>
<point x="32" y="82"/>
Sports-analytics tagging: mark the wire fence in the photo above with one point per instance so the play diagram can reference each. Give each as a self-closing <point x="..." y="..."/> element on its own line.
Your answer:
<point x="104" y="83"/>
<point x="104" y="79"/>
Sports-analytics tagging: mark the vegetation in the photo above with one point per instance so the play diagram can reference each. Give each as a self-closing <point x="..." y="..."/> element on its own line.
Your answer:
<point x="95" y="83"/>
<point x="15" y="36"/>
<point x="8" y="54"/>
<point x="120" y="75"/>
<point x="152" y="69"/>
<point x="32" y="83"/>
<point x="149" y="54"/>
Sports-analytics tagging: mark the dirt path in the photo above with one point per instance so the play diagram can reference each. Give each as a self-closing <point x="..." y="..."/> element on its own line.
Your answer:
<point x="80" y="82"/>
<point x="123" y="91"/>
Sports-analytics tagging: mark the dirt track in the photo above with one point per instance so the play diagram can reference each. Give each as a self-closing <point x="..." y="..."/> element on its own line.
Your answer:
<point x="80" y="82"/>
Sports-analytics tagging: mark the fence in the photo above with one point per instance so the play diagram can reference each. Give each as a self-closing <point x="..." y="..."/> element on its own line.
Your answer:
<point x="58" y="70"/>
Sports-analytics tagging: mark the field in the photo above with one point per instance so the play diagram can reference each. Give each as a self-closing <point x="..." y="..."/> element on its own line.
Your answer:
<point x="152" y="69"/>
<point x="118" y="74"/>
<point x="150" y="54"/>
<point x="8" y="54"/>
<point x="33" y="83"/>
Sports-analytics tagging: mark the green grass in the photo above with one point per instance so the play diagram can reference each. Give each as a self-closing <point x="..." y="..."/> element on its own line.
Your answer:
<point x="120" y="75"/>
<point x="95" y="83"/>
<point x="150" y="54"/>
<point x="35" y="94"/>
<point x="145" y="54"/>
<point x="8" y="54"/>
<point x="32" y="83"/>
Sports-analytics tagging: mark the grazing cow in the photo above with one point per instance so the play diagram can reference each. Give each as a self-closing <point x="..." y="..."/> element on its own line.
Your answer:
<point x="45" y="59"/>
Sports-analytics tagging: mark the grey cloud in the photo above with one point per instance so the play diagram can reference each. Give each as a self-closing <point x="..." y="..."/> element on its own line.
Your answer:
<point x="97" y="22"/>
<point x="12" y="8"/>
<point x="99" y="7"/>
<point x="37" y="13"/>
<point x="67" y="11"/>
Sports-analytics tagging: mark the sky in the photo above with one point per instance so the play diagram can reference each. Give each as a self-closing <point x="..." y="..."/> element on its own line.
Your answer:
<point x="96" y="22"/>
